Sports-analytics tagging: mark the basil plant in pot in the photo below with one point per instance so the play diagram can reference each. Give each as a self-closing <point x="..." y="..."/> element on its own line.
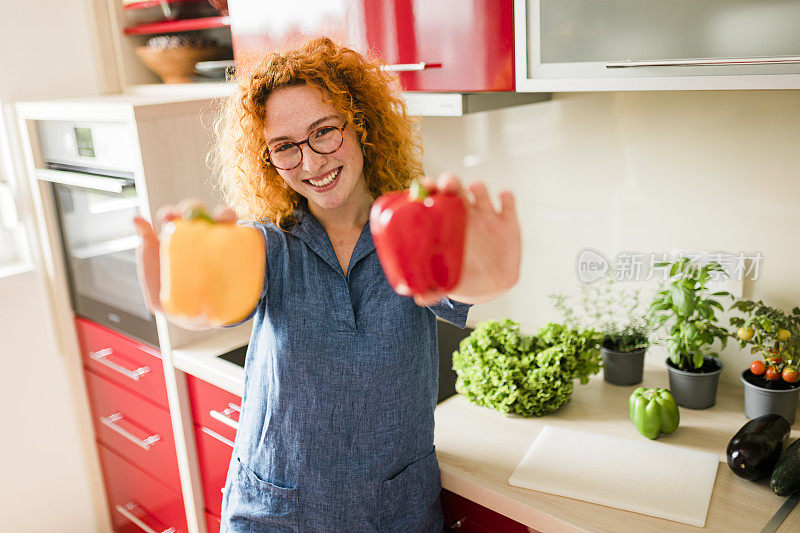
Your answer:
<point x="686" y="308"/>
<point x="625" y="325"/>
<point x="772" y="383"/>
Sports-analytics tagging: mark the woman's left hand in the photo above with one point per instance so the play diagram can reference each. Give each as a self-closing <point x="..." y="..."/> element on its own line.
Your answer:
<point x="493" y="249"/>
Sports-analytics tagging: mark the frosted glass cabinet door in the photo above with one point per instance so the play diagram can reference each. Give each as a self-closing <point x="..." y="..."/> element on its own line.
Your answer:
<point x="657" y="44"/>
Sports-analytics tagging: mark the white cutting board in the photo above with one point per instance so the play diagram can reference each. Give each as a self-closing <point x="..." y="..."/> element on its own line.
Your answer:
<point x="642" y="476"/>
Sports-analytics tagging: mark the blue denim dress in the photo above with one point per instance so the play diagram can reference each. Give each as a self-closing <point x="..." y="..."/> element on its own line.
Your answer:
<point x="341" y="380"/>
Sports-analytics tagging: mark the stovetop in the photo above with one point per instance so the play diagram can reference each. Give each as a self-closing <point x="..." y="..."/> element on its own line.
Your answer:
<point x="236" y="356"/>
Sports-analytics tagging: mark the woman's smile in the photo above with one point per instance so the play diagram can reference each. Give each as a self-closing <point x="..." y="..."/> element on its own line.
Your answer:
<point x="325" y="182"/>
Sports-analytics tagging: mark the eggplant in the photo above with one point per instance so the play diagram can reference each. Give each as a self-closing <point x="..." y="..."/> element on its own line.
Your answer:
<point x="755" y="449"/>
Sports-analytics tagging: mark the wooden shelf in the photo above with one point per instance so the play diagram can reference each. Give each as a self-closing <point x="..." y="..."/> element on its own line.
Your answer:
<point x="173" y="26"/>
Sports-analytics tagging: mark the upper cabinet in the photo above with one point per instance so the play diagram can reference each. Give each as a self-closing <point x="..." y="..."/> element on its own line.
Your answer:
<point x="586" y="45"/>
<point x="143" y="42"/>
<point x="443" y="45"/>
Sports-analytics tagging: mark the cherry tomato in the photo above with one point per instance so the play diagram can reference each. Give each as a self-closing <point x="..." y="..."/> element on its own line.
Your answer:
<point x="772" y="373"/>
<point x="784" y="334"/>
<point x="790" y="374"/>
<point x="757" y="367"/>
<point x="776" y="359"/>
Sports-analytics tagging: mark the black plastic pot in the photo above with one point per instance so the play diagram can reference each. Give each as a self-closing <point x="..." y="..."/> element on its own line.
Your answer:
<point x="695" y="390"/>
<point x="760" y="401"/>
<point x="623" y="368"/>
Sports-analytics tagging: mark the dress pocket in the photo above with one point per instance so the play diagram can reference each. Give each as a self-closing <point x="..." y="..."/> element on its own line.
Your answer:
<point x="253" y="503"/>
<point x="410" y="501"/>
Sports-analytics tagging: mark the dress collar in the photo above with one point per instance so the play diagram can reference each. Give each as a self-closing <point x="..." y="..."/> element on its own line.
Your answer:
<point x="308" y="229"/>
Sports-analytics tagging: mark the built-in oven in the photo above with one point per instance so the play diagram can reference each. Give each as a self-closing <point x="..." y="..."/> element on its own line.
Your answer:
<point x="90" y="168"/>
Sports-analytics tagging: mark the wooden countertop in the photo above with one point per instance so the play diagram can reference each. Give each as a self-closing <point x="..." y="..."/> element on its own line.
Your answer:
<point x="478" y="449"/>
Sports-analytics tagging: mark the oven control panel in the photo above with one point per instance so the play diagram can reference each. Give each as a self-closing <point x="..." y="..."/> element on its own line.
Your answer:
<point x="96" y="145"/>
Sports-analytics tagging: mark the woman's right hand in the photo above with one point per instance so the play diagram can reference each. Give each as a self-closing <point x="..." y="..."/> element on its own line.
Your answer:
<point x="148" y="262"/>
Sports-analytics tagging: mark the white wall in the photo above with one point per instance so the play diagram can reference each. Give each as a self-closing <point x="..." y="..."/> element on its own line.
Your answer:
<point x="47" y="50"/>
<point x="46" y="53"/>
<point x="642" y="171"/>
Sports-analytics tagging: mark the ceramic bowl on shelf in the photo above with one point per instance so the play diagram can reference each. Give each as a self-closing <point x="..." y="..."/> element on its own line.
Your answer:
<point x="149" y="11"/>
<point x="176" y="65"/>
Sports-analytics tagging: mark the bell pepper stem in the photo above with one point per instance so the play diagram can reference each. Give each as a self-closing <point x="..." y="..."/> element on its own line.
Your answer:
<point x="197" y="213"/>
<point x="418" y="192"/>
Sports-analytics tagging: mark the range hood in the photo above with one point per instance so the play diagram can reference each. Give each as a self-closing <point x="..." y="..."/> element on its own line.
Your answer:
<point x="460" y="104"/>
<point x="421" y="104"/>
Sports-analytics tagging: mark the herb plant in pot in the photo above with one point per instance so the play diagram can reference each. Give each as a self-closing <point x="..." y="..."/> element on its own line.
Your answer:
<point x="687" y="309"/>
<point x="771" y="384"/>
<point x="623" y="352"/>
<point x="625" y="326"/>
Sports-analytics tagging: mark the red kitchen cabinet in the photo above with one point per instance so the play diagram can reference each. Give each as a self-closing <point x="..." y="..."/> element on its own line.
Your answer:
<point x="138" y="502"/>
<point x="213" y="407"/>
<point x="213" y="523"/>
<point x="214" y="455"/>
<point x="130" y="412"/>
<point x="126" y="362"/>
<point x="465" y="516"/>
<point x="135" y="428"/>
<point x="442" y="45"/>
<point x="216" y="417"/>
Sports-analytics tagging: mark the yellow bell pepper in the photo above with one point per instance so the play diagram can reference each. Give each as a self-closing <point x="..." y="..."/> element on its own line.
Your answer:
<point x="210" y="269"/>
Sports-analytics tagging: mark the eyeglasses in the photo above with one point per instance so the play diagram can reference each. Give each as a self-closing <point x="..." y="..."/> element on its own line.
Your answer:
<point x="288" y="155"/>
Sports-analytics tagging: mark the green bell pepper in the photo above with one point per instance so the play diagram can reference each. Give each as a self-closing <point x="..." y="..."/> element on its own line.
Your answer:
<point x="653" y="411"/>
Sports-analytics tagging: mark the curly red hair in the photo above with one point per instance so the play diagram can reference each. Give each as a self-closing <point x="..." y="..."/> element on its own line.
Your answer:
<point x="363" y="93"/>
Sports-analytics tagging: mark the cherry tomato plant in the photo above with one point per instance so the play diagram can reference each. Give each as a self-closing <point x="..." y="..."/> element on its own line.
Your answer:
<point x="771" y="333"/>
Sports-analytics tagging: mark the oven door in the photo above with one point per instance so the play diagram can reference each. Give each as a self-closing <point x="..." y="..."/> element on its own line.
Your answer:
<point x="99" y="241"/>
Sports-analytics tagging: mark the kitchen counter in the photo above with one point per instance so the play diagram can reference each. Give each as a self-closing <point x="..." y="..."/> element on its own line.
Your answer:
<point x="478" y="449"/>
<point x="202" y="359"/>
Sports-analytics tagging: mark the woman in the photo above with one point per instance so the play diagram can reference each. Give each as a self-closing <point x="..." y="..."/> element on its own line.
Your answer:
<point x="336" y="430"/>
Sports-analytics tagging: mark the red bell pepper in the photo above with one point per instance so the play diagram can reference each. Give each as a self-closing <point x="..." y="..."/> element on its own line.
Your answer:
<point x="419" y="238"/>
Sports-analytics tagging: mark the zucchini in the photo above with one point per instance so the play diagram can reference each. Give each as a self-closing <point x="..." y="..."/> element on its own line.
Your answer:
<point x="786" y="477"/>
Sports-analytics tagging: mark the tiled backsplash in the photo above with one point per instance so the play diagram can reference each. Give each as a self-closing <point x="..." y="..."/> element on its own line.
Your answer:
<point x="715" y="171"/>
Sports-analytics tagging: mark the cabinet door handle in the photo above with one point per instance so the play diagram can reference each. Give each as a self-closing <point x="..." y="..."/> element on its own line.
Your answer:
<point x="409" y="67"/>
<point x="111" y="421"/>
<point x="127" y="511"/>
<point x="214" y="434"/>
<point x="224" y="416"/>
<point x="455" y="526"/>
<point x="101" y="356"/>
<point x="706" y="62"/>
